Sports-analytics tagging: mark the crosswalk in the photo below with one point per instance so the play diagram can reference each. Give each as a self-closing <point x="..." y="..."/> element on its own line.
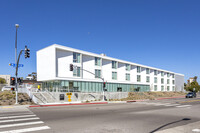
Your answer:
<point x="163" y="104"/>
<point x="19" y="119"/>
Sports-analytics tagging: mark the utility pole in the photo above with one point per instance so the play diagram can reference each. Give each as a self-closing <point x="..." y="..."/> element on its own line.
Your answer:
<point x="17" y="26"/>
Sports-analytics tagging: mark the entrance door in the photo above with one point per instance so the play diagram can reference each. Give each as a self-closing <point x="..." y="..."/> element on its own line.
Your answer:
<point x="71" y="86"/>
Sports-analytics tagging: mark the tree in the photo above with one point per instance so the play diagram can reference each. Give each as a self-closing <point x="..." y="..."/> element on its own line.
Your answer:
<point x="194" y="85"/>
<point x="2" y="81"/>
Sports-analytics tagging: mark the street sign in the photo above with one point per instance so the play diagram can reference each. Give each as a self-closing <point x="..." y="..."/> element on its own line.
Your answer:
<point x="14" y="65"/>
<point x="69" y="100"/>
<point x="69" y="93"/>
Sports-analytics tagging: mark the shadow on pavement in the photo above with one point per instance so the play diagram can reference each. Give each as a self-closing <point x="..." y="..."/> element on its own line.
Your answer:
<point x="184" y="119"/>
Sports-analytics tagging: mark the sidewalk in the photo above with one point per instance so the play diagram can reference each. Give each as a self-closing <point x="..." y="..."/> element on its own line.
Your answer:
<point x="99" y="102"/>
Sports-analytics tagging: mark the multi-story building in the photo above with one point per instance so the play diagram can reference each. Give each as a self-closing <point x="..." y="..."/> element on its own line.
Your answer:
<point x="53" y="68"/>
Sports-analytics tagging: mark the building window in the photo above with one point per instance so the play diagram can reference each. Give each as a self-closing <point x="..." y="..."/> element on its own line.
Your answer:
<point x="76" y="72"/>
<point x="155" y="87"/>
<point x="114" y="64"/>
<point x="97" y="73"/>
<point x="138" y="69"/>
<point x="147" y="71"/>
<point x="155" y="72"/>
<point x="147" y="79"/>
<point x="162" y="80"/>
<point x="76" y="57"/>
<point x="97" y="61"/>
<point x="162" y="74"/>
<point x="114" y="75"/>
<point x="155" y="79"/>
<point x="168" y="88"/>
<point x="168" y="81"/>
<point x="127" y="76"/>
<point x="162" y="88"/>
<point x="172" y="75"/>
<point x="138" y="78"/>
<point x="168" y="74"/>
<point x="128" y="67"/>
<point x="173" y="88"/>
<point x="173" y="82"/>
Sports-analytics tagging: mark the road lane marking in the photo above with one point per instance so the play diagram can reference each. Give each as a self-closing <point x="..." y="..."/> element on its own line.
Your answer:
<point x="27" y="129"/>
<point x="196" y="130"/>
<point x="21" y="124"/>
<point x="183" y="106"/>
<point x="13" y="120"/>
<point x="189" y="101"/>
<point x="25" y="113"/>
<point x="10" y="117"/>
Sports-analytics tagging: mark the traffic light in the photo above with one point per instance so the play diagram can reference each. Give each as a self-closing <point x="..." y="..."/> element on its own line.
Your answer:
<point x="27" y="52"/>
<point x="19" y="80"/>
<point x="104" y="84"/>
<point x="71" y="67"/>
<point x="12" y="81"/>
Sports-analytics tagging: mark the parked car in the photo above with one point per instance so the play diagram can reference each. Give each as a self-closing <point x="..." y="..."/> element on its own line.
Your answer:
<point x="190" y="95"/>
<point x="8" y="88"/>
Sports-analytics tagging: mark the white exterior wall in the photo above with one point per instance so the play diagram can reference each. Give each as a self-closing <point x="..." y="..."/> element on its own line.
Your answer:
<point x="53" y="64"/>
<point x="46" y="63"/>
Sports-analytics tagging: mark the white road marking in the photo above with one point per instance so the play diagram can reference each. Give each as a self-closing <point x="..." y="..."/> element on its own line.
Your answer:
<point x="10" y="117"/>
<point x="183" y="106"/>
<point x="196" y="130"/>
<point x="21" y="124"/>
<point x="13" y="120"/>
<point x="27" y="129"/>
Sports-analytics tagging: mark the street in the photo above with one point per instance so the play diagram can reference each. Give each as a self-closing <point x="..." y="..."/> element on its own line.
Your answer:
<point x="169" y="115"/>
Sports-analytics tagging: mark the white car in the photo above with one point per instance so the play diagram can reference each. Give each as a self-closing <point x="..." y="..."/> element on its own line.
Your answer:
<point x="8" y="88"/>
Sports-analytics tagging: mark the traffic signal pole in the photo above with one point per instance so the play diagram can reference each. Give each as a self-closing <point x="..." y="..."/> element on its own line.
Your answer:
<point x="17" y="26"/>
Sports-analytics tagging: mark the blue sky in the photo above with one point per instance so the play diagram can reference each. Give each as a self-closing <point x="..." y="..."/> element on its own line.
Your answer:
<point x="159" y="33"/>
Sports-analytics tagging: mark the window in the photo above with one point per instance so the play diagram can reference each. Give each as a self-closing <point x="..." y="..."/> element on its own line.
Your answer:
<point x="128" y="67"/>
<point x="155" y="72"/>
<point x="173" y="82"/>
<point x="97" y="73"/>
<point x="162" y="88"/>
<point x="138" y="78"/>
<point x="147" y="71"/>
<point x="97" y="61"/>
<point x="162" y="74"/>
<point x="162" y="80"/>
<point x="76" y="57"/>
<point x="155" y="87"/>
<point x="173" y="88"/>
<point x="138" y="69"/>
<point x="127" y="76"/>
<point x="147" y="79"/>
<point x="76" y="72"/>
<point x="172" y="75"/>
<point x="155" y="79"/>
<point x="114" y="75"/>
<point x="168" y="74"/>
<point x="114" y="64"/>
<point x="168" y="88"/>
<point x="168" y="81"/>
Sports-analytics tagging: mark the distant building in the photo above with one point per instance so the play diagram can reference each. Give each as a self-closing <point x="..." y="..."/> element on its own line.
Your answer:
<point x="193" y="79"/>
<point x="7" y="78"/>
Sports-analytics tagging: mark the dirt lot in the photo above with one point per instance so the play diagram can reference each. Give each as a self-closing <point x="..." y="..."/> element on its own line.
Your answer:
<point x="8" y="98"/>
<point x="149" y="95"/>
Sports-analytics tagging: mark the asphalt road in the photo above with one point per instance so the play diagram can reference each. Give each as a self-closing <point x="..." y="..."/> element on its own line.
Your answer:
<point x="163" y="116"/>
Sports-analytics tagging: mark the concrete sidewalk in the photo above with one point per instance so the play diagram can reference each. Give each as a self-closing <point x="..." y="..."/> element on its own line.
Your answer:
<point x="97" y="102"/>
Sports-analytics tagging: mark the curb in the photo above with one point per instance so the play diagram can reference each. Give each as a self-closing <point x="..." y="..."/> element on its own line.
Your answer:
<point x="169" y="97"/>
<point x="50" y="105"/>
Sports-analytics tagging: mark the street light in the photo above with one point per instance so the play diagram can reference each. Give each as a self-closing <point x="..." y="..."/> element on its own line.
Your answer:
<point x="17" y="26"/>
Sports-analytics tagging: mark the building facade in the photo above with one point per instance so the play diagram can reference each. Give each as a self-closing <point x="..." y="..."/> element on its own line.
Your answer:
<point x="53" y="68"/>
<point x="7" y="78"/>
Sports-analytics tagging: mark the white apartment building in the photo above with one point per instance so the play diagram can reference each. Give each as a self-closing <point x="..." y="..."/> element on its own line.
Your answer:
<point x="53" y="68"/>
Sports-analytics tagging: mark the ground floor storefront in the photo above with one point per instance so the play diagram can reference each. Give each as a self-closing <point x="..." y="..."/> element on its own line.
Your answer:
<point x="84" y="86"/>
